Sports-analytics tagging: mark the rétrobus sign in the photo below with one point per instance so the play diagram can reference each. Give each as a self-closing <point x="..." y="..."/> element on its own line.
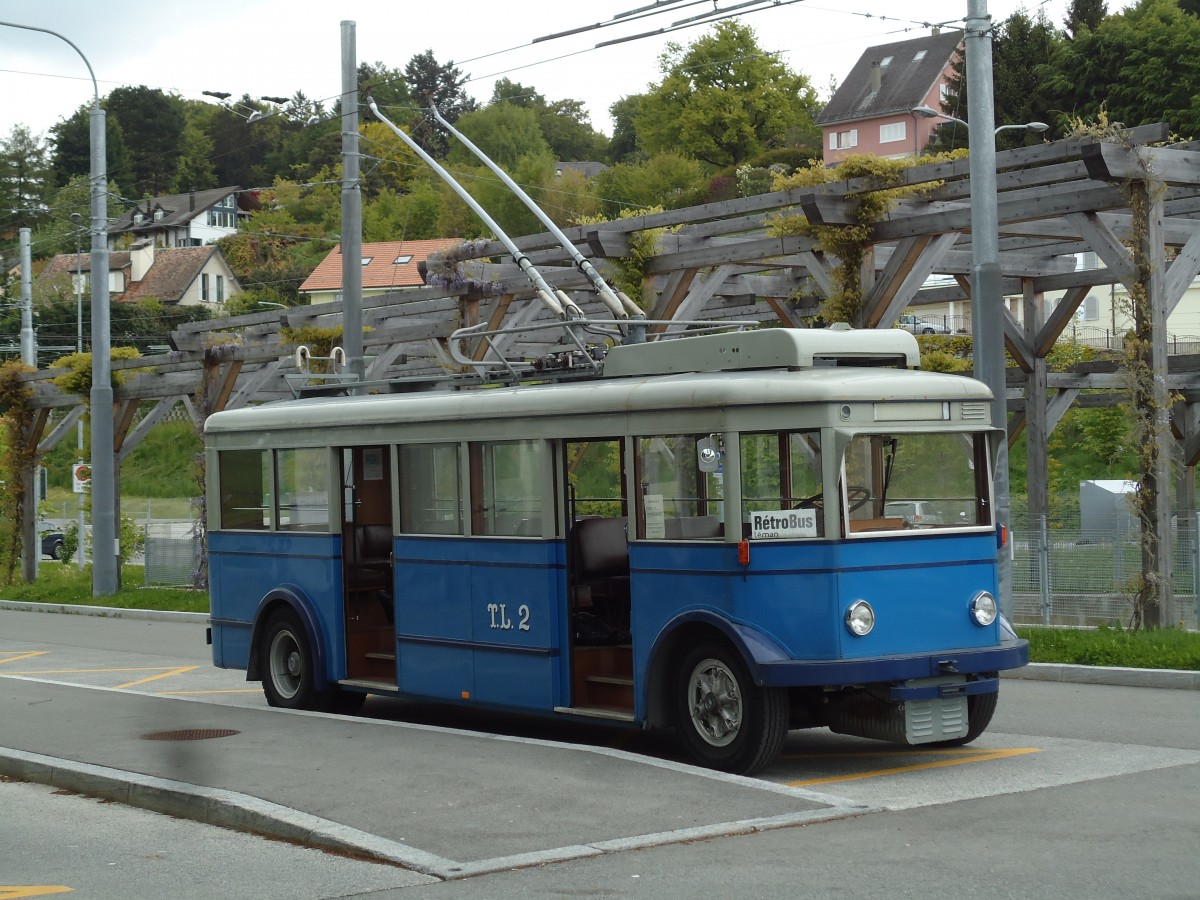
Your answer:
<point x="783" y="523"/>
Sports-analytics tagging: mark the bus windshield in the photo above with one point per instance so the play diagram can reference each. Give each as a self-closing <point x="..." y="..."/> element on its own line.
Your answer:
<point x="925" y="480"/>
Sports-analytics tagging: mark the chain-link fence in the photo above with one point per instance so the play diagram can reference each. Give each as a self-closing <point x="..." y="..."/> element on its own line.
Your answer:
<point x="172" y="552"/>
<point x="1068" y="575"/>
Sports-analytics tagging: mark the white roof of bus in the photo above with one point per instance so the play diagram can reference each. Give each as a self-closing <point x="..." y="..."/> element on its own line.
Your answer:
<point x="609" y="395"/>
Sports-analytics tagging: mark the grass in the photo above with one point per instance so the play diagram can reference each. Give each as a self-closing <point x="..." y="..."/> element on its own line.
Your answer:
<point x="1167" y="648"/>
<point x="59" y="583"/>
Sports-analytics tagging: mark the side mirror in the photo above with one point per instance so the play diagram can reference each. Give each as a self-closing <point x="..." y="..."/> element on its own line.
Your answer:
<point x="708" y="455"/>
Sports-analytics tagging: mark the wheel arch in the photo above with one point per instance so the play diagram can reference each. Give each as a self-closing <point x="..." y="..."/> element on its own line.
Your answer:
<point x="683" y="631"/>
<point x="291" y="597"/>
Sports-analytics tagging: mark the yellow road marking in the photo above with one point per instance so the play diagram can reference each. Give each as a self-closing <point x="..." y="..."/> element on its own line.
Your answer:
<point x="15" y="891"/>
<point x="178" y="671"/>
<point x="15" y="659"/>
<point x="87" y="671"/>
<point x="182" y="693"/>
<point x="974" y="756"/>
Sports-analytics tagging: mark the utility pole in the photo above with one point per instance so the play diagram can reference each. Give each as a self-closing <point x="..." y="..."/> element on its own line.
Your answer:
<point x="28" y="340"/>
<point x="352" y="323"/>
<point x="987" y="297"/>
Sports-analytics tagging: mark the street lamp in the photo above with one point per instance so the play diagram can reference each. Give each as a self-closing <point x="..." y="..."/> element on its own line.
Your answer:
<point x="928" y="112"/>
<point x="105" y="574"/>
<point x="77" y="221"/>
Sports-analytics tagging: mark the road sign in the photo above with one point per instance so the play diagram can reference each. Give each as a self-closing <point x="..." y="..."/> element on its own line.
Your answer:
<point x="81" y="477"/>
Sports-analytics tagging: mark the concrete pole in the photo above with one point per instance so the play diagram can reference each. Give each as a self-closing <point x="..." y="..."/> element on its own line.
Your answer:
<point x="352" y="323"/>
<point x="28" y="341"/>
<point x="986" y="290"/>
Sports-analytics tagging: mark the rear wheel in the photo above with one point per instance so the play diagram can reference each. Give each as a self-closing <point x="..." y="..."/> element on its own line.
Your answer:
<point x="56" y="551"/>
<point x="289" y="680"/>
<point x="724" y="720"/>
<point x="980" y="708"/>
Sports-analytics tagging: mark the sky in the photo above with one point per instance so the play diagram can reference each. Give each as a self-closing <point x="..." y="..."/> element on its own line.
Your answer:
<point x="278" y="47"/>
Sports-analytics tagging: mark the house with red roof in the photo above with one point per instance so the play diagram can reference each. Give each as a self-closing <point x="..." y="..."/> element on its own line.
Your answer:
<point x="183" y="276"/>
<point x="386" y="266"/>
<point x="871" y="111"/>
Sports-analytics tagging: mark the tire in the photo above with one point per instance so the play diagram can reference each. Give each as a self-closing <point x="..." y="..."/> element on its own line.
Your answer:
<point x="927" y="331"/>
<point x="724" y="720"/>
<point x="288" y="676"/>
<point x="980" y="709"/>
<point x="56" y="551"/>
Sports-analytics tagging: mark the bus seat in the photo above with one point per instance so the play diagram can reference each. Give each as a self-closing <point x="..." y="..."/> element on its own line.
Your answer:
<point x="693" y="528"/>
<point x="602" y="548"/>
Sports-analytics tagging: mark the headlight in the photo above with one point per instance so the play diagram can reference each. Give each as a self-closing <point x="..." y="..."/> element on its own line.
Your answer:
<point x="983" y="608"/>
<point x="860" y="618"/>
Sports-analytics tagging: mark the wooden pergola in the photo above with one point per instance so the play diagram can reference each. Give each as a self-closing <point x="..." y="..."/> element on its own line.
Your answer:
<point x="721" y="261"/>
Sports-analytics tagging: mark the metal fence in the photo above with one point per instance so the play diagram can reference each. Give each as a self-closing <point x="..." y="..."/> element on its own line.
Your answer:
<point x="172" y="552"/>
<point x="1074" y="576"/>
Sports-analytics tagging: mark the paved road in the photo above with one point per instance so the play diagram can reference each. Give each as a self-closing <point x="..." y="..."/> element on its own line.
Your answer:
<point x="1077" y="791"/>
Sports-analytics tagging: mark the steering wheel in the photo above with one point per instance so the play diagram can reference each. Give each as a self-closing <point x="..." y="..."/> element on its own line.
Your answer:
<point x="856" y="496"/>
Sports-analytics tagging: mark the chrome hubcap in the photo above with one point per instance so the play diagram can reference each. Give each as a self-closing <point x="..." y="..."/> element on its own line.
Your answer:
<point x="715" y="702"/>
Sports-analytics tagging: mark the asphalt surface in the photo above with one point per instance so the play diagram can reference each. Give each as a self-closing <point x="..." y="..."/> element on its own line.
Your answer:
<point x="441" y="802"/>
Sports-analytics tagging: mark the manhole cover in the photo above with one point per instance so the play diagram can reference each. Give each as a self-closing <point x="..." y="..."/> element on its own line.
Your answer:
<point x="190" y="734"/>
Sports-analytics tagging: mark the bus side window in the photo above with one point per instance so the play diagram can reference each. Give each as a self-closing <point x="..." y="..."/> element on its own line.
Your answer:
<point x="245" y="489"/>
<point x="430" y="490"/>
<point x="678" y="501"/>
<point x="781" y="471"/>
<point x="506" y="479"/>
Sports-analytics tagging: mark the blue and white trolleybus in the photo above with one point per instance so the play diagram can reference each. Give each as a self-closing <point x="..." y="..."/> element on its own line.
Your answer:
<point x="713" y="535"/>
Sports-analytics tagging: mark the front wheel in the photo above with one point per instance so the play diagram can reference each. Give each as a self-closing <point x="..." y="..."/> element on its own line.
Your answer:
<point x="289" y="681"/>
<point x="724" y="720"/>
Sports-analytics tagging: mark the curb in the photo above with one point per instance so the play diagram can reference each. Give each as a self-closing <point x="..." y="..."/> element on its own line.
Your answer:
<point x="108" y="612"/>
<point x="1171" y="679"/>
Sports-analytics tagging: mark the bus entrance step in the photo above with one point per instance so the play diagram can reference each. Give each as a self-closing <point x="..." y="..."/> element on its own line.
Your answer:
<point x="609" y="690"/>
<point x="597" y="712"/>
<point x="389" y="657"/>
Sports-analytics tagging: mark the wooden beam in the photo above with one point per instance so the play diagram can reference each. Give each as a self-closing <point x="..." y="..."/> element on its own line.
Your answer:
<point x="60" y="430"/>
<point x="1104" y="243"/>
<point x="152" y="418"/>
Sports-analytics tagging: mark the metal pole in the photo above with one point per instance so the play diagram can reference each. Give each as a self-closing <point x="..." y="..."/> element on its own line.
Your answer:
<point x="1044" y="569"/>
<point x="986" y="288"/>
<point x="352" y="323"/>
<point x="28" y="341"/>
<point x="79" y="525"/>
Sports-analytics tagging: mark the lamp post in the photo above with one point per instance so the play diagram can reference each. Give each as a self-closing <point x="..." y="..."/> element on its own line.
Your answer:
<point x="105" y="572"/>
<point x="928" y="112"/>
<point x="77" y="221"/>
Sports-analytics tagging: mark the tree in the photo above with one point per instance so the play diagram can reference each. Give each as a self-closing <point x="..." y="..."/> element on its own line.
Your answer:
<point x="73" y="148"/>
<point x="1085" y="14"/>
<point x="624" y="144"/>
<point x="723" y="99"/>
<point x="395" y="216"/>
<point x="506" y="133"/>
<point x="1023" y="50"/>
<point x="152" y="123"/>
<point x="432" y="84"/>
<point x="1139" y="67"/>
<point x="24" y="179"/>
<point x="664" y="180"/>
<point x="195" y="171"/>
<point x="59" y="234"/>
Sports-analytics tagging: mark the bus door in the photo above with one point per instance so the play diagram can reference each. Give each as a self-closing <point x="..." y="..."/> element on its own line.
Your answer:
<point x="367" y="564"/>
<point x="598" y="591"/>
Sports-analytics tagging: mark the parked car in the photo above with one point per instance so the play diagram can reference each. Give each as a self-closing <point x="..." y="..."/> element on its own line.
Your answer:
<point x="52" y="544"/>
<point x="921" y="326"/>
<point x="915" y="513"/>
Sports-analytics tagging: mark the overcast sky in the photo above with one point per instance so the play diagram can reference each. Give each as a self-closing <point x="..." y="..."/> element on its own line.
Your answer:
<point x="276" y="47"/>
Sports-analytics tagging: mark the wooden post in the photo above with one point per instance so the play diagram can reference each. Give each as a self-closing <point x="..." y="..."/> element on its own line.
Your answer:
<point x="1036" y="435"/>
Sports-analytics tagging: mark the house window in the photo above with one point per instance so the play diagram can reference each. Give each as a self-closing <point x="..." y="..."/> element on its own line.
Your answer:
<point x="158" y="214"/>
<point x="220" y="288"/>
<point x="204" y="286"/>
<point x="943" y="92"/>
<point x="366" y="261"/>
<point x="920" y="55"/>
<point x="893" y="131"/>
<point x="885" y="62"/>
<point x="138" y="218"/>
<point x="1091" y="309"/>
<point x="842" y="140"/>
<point x="403" y="260"/>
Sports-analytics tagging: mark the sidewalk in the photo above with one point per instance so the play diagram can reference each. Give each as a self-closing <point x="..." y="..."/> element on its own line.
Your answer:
<point x="441" y="802"/>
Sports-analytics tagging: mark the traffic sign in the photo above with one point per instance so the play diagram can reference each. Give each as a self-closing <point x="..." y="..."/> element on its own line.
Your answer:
<point x="81" y="477"/>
